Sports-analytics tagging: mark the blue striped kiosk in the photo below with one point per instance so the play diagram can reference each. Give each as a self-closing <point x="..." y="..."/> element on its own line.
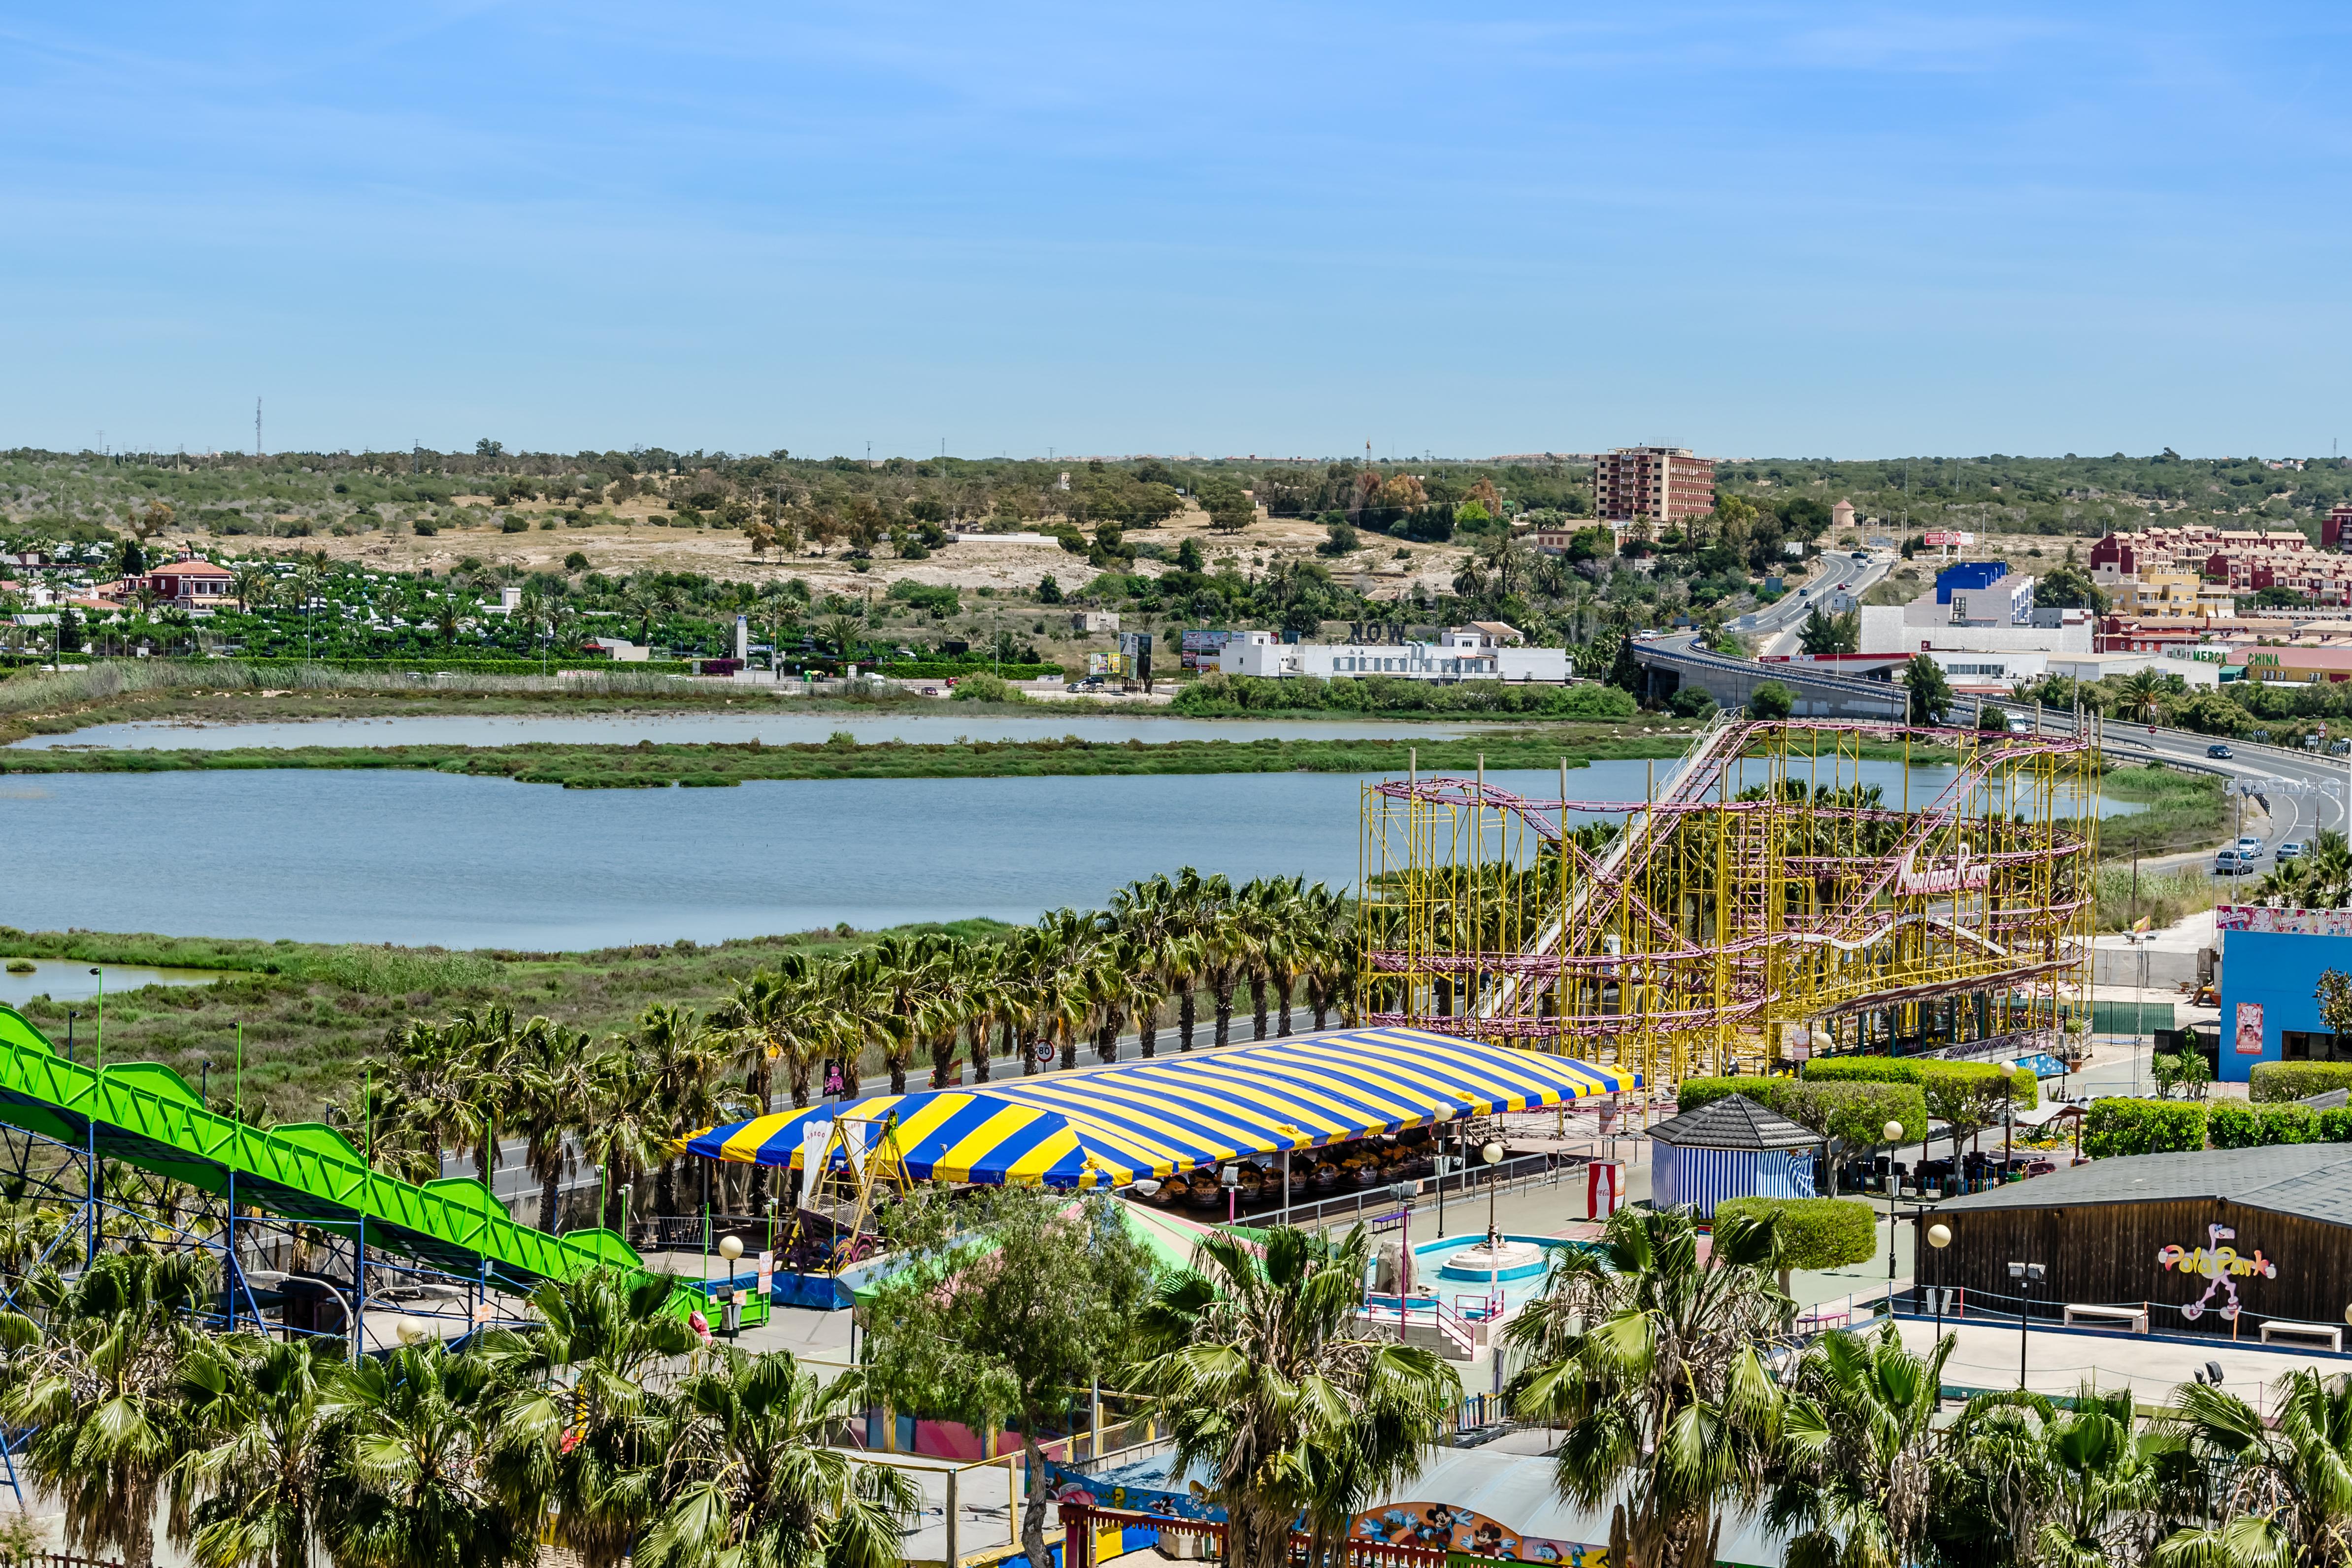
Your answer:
<point x="1729" y="1148"/>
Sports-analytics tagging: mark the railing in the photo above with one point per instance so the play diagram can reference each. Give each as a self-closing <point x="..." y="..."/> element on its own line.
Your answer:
<point x="56" y="1560"/>
<point x="1380" y="1201"/>
<point x="1083" y="1527"/>
<point x="1380" y="1308"/>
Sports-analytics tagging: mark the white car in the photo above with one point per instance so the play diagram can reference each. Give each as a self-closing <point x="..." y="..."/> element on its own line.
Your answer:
<point x="2228" y="863"/>
<point x="2250" y="847"/>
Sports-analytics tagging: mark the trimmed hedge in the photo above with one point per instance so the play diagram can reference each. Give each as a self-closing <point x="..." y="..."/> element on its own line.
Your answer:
<point x="1816" y="1233"/>
<point x="1855" y="1114"/>
<point x="1929" y="1074"/>
<point x="2123" y="1126"/>
<point x="2276" y="1081"/>
<point x="2229" y="1125"/>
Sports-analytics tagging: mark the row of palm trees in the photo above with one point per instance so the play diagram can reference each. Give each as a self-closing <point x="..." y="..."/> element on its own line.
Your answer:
<point x="1167" y="950"/>
<point x="606" y="1427"/>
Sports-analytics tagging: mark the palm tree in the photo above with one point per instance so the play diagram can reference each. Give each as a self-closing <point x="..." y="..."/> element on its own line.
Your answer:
<point x="1273" y="1386"/>
<point x="585" y="1431"/>
<point x="482" y="1044"/>
<point x="253" y="583"/>
<point x="430" y="1103"/>
<point x="750" y="1479"/>
<point x="1330" y="942"/>
<point x="101" y="1394"/>
<point x="2277" y="1492"/>
<point x="2143" y="695"/>
<point x="415" y="1485"/>
<point x="1654" y="1362"/>
<point x="645" y="598"/>
<point x="628" y="1128"/>
<point x="1861" y="1434"/>
<point x="255" y="1479"/>
<point x="683" y="1059"/>
<point x="548" y="1091"/>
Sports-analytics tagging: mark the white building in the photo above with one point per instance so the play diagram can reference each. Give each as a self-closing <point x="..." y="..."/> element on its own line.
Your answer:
<point x="1983" y="673"/>
<point x="1482" y="650"/>
<point x="1924" y="625"/>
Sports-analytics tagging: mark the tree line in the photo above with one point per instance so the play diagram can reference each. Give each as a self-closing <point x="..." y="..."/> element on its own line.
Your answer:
<point x="1171" y="953"/>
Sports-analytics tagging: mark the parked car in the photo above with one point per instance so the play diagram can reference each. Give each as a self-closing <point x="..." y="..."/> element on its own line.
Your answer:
<point x="2217" y="749"/>
<point x="2227" y="863"/>
<point x="2290" y="850"/>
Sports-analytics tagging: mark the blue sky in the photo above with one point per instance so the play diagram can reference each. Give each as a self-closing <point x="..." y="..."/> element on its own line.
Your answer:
<point x="1754" y="229"/>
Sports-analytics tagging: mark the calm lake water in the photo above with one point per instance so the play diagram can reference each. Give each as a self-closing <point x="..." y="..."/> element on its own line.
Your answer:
<point x="423" y="857"/>
<point x="68" y="980"/>
<point x="769" y="728"/>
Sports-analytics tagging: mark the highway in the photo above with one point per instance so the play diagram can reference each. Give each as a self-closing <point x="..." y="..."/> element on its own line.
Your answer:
<point x="1775" y="625"/>
<point x="2313" y="797"/>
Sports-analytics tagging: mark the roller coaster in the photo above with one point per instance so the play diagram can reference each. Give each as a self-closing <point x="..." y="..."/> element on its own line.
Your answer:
<point x="1764" y="902"/>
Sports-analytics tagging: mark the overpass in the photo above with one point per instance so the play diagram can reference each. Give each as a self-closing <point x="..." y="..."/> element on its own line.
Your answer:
<point x="1670" y="664"/>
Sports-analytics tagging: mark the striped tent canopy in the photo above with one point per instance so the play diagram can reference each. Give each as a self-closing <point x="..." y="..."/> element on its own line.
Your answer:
<point x="1108" y="1126"/>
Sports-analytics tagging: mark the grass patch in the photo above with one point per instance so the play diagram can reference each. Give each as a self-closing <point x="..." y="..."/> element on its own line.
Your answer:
<point x="2184" y="811"/>
<point x="312" y="1013"/>
<point x="717" y="765"/>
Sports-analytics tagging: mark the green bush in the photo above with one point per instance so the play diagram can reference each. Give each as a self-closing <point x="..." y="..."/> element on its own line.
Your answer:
<point x="1218" y="695"/>
<point x="1816" y="1233"/>
<point x="2121" y="1126"/>
<point x="1935" y="1076"/>
<point x="1855" y="1114"/>
<point x="986" y="688"/>
<point x="2274" y="1081"/>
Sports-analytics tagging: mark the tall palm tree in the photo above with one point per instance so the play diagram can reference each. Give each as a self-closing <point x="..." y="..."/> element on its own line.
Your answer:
<point x="750" y="1479"/>
<point x="484" y="1044"/>
<point x="1654" y="1362"/>
<point x="101" y="1394"/>
<point x="432" y="1100"/>
<point x="683" y="1059"/>
<point x="1330" y="943"/>
<point x="2275" y="1492"/>
<point x="628" y="1128"/>
<point x="1273" y="1386"/>
<point x="1861" y="1440"/>
<point x="549" y="1095"/>
<point x="415" y="1487"/>
<point x="260" y="1460"/>
<point x="583" y="1430"/>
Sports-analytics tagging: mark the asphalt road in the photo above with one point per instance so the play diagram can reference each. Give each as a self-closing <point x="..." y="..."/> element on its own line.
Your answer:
<point x="1775" y="625"/>
<point x="2306" y="793"/>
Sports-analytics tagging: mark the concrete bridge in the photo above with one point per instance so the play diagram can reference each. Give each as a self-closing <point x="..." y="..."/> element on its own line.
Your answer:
<point x="1671" y="664"/>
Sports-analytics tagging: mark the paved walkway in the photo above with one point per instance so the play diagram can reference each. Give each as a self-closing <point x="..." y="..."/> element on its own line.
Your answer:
<point x="1985" y="1355"/>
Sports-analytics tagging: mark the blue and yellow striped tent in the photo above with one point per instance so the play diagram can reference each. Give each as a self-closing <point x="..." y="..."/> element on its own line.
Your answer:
<point x="1106" y="1126"/>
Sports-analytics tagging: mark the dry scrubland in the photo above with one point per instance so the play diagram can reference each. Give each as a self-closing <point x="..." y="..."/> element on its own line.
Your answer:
<point x="619" y="549"/>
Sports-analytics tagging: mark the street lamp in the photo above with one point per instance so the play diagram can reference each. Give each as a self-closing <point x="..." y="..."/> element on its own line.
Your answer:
<point x="1894" y="1130"/>
<point x="2027" y="1276"/>
<point x="1939" y="1236"/>
<point x="1493" y="1154"/>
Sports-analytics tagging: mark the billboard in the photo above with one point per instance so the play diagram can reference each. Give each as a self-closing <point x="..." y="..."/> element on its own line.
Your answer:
<point x="2283" y="922"/>
<point x="1960" y="540"/>
<point x="1200" y="648"/>
<point x="1135" y="647"/>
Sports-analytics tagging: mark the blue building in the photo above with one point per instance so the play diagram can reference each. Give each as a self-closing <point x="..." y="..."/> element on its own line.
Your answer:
<point x="2271" y="964"/>
<point x="1968" y="575"/>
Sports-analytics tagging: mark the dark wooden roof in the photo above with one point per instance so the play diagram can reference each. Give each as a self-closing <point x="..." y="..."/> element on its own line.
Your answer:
<point x="2313" y="1181"/>
<point x="1735" y="1121"/>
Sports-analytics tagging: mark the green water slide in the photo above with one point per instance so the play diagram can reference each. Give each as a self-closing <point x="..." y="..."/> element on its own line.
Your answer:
<point x="145" y="1115"/>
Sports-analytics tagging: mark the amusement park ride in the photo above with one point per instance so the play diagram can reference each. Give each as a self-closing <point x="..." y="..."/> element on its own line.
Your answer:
<point x="1762" y="902"/>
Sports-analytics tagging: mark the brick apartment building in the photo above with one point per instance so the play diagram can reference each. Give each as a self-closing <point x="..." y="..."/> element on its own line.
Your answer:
<point x="1651" y="484"/>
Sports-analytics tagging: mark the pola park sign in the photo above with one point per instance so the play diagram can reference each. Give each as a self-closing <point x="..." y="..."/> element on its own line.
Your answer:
<point x="2220" y="1266"/>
